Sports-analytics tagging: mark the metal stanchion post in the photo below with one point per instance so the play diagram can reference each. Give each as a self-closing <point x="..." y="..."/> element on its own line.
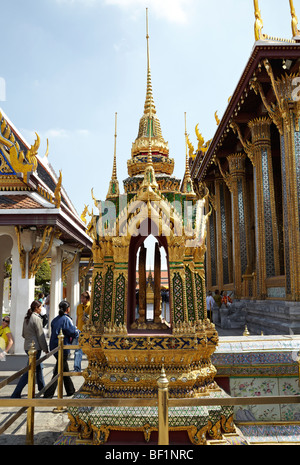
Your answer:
<point x="60" y="370"/>
<point x="163" y="418"/>
<point x="31" y="394"/>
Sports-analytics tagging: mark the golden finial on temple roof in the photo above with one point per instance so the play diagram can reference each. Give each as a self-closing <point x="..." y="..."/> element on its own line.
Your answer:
<point x="84" y="213"/>
<point x="258" y="25"/>
<point x="200" y="138"/>
<point x="295" y="30"/>
<point x="217" y="118"/>
<point x="47" y="149"/>
<point x="57" y="192"/>
<point x="191" y="148"/>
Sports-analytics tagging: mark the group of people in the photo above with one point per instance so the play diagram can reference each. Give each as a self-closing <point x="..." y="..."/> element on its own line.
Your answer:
<point x="33" y="331"/>
<point x="219" y="299"/>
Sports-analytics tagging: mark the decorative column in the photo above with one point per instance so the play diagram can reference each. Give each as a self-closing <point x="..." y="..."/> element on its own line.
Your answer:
<point x="5" y="252"/>
<point x="285" y="114"/>
<point x="178" y="308"/>
<point x="267" y="244"/>
<point x="236" y="182"/>
<point x="22" y="288"/>
<point x="223" y="270"/>
<point x="290" y="171"/>
<point x="211" y="259"/>
<point x="56" y="278"/>
<point x="199" y="283"/>
<point x="120" y="289"/>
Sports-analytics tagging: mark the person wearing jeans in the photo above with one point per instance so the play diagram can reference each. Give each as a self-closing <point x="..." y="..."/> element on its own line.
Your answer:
<point x="33" y="332"/>
<point x="62" y="322"/>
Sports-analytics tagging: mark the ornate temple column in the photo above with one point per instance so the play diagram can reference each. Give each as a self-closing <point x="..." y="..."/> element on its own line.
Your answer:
<point x="290" y="169"/>
<point x="199" y="283"/>
<point x="223" y="253"/>
<point x="211" y="260"/>
<point x="120" y="283"/>
<point x="289" y="110"/>
<point x="285" y="115"/>
<point x="178" y="309"/>
<point x="267" y="247"/>
<point x="236" y="182"/>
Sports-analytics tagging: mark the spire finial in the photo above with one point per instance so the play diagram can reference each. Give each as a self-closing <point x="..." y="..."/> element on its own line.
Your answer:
<point x="187" y="166"/>
<point x="113" y="189"/>
<point x="295" y="30"/>
<point x="114" y="172"/>
<point x="149" y="103"/>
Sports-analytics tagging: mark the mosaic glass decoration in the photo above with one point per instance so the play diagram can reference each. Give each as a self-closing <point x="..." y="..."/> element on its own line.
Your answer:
<point x="199" y="294"/>
<point x="269" y="245"/>
<point x="242" y="226"/>
<point x="213" y="249"/>
<point x="285" y="218"/>
<point x="120" y="300"/>
<point x="178" y="298"/>
<point x="224" y="236"/>
<point x="108" y="295"/>
<point x="189" y="294"/>
<point x="297" y="164"/>
<point x="97" y="296"/>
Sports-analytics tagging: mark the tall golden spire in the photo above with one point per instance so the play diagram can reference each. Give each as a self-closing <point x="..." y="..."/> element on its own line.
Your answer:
<point x="114" y="172"/>
<point x="113" y="189"/>
<point x="187" y="183"/>
<point x="149" y="121"/>
<point x="149" y="139"/>
<point x="149" y="107"/>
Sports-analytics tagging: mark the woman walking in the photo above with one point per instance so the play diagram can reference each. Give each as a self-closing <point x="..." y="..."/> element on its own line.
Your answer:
<point x="33" y="332"/>
<point x="62" y="322"/>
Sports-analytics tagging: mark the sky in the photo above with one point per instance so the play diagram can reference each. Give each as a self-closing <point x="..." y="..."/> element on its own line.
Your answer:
<point x="69" y="65"/>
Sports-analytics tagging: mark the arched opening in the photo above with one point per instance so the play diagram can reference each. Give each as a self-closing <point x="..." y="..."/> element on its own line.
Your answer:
<point x="148" y="284"/>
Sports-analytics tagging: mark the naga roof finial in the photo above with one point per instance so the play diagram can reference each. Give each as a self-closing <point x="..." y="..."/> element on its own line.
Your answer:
<point x="258" y="25"/>
<point x="187" y="183"/>
<point x="296" y="32"/>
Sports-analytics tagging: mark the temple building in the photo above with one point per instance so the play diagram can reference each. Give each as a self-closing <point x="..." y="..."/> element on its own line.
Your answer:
<point x="37" y="222"/>
<point x="251" y="168"/>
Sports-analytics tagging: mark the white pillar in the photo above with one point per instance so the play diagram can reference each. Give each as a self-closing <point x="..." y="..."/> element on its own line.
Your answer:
<point x="22" y="294"/>
<point x="56" y="280"/>
<point x="73" y="287"/>
<point x="6" y="244"/>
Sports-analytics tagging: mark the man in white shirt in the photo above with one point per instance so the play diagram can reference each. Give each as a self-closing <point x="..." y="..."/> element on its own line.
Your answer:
<point x="209" y="305"/>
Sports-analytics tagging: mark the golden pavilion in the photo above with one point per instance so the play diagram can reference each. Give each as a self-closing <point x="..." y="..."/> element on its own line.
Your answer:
<point x="125" y="351"/>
